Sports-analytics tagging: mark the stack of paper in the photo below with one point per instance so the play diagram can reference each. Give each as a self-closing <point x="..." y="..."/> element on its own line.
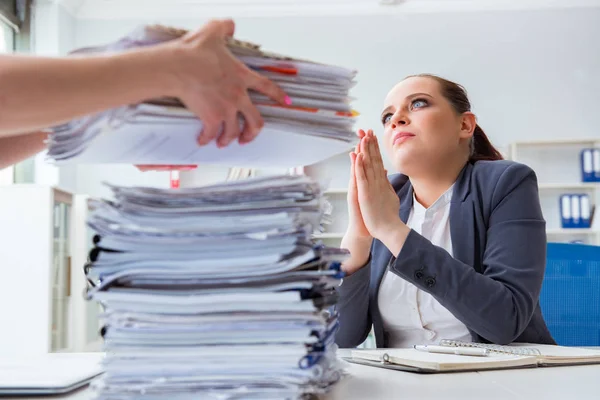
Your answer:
<point x="215" y="292"/>
<point x="318" y="124"/>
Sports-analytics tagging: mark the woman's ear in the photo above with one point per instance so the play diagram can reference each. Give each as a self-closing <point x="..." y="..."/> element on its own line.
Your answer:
<point x="468" y="124"/>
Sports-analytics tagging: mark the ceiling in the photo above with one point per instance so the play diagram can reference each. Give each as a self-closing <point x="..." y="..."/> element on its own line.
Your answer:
<point x="152" y="9"/>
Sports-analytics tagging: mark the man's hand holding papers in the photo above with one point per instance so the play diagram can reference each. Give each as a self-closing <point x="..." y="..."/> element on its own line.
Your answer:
<point x="214" y="85"/>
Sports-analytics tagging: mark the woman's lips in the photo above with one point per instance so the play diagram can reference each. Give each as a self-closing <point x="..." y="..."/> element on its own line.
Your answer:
<point x="401" y="137"/>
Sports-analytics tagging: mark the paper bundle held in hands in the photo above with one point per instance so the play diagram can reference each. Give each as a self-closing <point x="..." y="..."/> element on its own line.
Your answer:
<point x="318" y="124"/>
<point x="215" y="292"/>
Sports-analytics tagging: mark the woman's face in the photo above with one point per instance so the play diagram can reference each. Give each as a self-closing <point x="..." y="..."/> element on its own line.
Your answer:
<point x="421" y="129"/>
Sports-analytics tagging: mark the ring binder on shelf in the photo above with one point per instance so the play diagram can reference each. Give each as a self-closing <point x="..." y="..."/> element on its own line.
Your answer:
<point x="565" y="211"/>
<point x="585" y="211"/>
<point x="596" y="165"/>
<point x="576" y="211"/>
<point x="587" y="165"/>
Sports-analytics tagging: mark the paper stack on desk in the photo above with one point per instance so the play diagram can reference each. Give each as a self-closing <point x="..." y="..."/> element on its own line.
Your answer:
<point x="318" y="124"/>
<point x="215" y="292"/>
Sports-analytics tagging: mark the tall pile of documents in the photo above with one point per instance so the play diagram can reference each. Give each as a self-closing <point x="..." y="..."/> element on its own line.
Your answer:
<point x="318" y="124"/>
<point x="216" y="291"/>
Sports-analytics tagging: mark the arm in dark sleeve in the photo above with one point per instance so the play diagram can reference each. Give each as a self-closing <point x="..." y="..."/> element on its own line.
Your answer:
<point x="498" y="303"/>
<point x="353" y="307"/>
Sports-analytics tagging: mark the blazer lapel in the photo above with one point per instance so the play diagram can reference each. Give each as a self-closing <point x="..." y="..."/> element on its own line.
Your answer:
<point x="406" y="202"/>
<point x="462" y="217"/>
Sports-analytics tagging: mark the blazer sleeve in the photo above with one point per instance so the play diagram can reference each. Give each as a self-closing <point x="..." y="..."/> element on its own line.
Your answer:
<point x="353" y="308"/>
<point x="498" y="303"/>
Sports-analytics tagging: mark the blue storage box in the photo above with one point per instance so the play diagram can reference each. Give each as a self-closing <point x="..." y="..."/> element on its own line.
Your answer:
<point x="570" y="297"/>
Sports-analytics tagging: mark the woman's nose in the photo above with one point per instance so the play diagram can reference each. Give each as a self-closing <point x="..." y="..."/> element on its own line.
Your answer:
<point x="399" y="119"/>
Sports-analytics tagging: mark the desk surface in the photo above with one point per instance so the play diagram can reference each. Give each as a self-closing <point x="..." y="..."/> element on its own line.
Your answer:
<point x="362" y="382"/>
<point x="551" y="383"/>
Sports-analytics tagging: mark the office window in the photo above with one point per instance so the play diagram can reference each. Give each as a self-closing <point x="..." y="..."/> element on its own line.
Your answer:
<point x="6" y="38"/>
<point x="14" y="28"/>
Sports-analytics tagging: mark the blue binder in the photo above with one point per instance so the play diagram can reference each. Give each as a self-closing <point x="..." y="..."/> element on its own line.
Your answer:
<point x="587" y="165"/>
<point x="596" y="164"/>
<point x="566" y="220"/>
<point x="586" y="209"/>
<point x="575" y="211"/>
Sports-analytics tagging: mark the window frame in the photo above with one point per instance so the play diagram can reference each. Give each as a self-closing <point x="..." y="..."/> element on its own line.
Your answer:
<point x="15" y="17"/>
<point x="9" y="15"/>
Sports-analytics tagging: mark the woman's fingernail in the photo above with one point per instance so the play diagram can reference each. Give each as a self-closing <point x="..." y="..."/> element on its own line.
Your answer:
<point x="288" y="100"/>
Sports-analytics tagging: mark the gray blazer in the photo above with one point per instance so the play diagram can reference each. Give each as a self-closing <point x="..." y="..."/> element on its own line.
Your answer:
<point x="493" y="282"/>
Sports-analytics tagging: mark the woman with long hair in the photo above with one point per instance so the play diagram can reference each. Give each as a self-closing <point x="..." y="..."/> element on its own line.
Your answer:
<point x="452" y="247"/>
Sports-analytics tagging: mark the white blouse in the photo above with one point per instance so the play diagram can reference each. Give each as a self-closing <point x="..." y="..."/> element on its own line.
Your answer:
<point x="410" y="315"/>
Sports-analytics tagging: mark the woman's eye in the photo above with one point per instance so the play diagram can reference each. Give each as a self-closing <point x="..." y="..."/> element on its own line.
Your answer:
<point x="419" y="103"/>
<point x="386" y="118"/>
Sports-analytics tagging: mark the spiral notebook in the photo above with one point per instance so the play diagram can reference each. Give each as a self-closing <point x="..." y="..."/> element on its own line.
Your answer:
<point x="518" y="355"/>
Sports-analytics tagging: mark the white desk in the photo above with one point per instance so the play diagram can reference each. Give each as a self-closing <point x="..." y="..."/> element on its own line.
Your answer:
<point x="556" y="383"/>
<point x="552" y="383"/>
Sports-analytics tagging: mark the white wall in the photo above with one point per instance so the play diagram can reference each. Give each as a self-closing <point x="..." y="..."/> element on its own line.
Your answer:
<point x="25" y="262"/>
<point x="530" y="74"/>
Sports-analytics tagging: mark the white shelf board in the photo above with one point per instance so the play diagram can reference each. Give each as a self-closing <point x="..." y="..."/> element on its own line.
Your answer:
<point x="571" y="231"/>
<point x="575" y="186"/>
<point x="337" y="191"/>
<point x="588" y="141"/>
<point x="329" y="235"/>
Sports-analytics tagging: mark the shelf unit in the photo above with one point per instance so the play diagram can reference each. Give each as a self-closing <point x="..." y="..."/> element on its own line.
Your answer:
<point x="333" y="191"/>
<point x="330" y="235"/>
<point x="43" y="286"/>
<point x="571" y="231"/>
<point x="61" y="272"/>
<point x="334" y="233"/>
<point x="569" y="186"/>
<point x="334" y="174"/>
<point x="557" y="166"/>
<point x="35" y="256"/>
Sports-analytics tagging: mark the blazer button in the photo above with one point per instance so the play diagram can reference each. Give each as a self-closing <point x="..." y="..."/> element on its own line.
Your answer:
<point x="430" y="281"/>
<point x="419" y="274"/>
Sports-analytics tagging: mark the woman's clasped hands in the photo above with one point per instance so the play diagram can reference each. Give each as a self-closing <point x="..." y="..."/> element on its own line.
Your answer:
<point x="378" y="202"/>
<point x="373" y="204"/>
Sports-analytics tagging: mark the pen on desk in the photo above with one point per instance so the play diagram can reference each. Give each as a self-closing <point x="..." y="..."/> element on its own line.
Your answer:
<point x="463" y="351"/>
